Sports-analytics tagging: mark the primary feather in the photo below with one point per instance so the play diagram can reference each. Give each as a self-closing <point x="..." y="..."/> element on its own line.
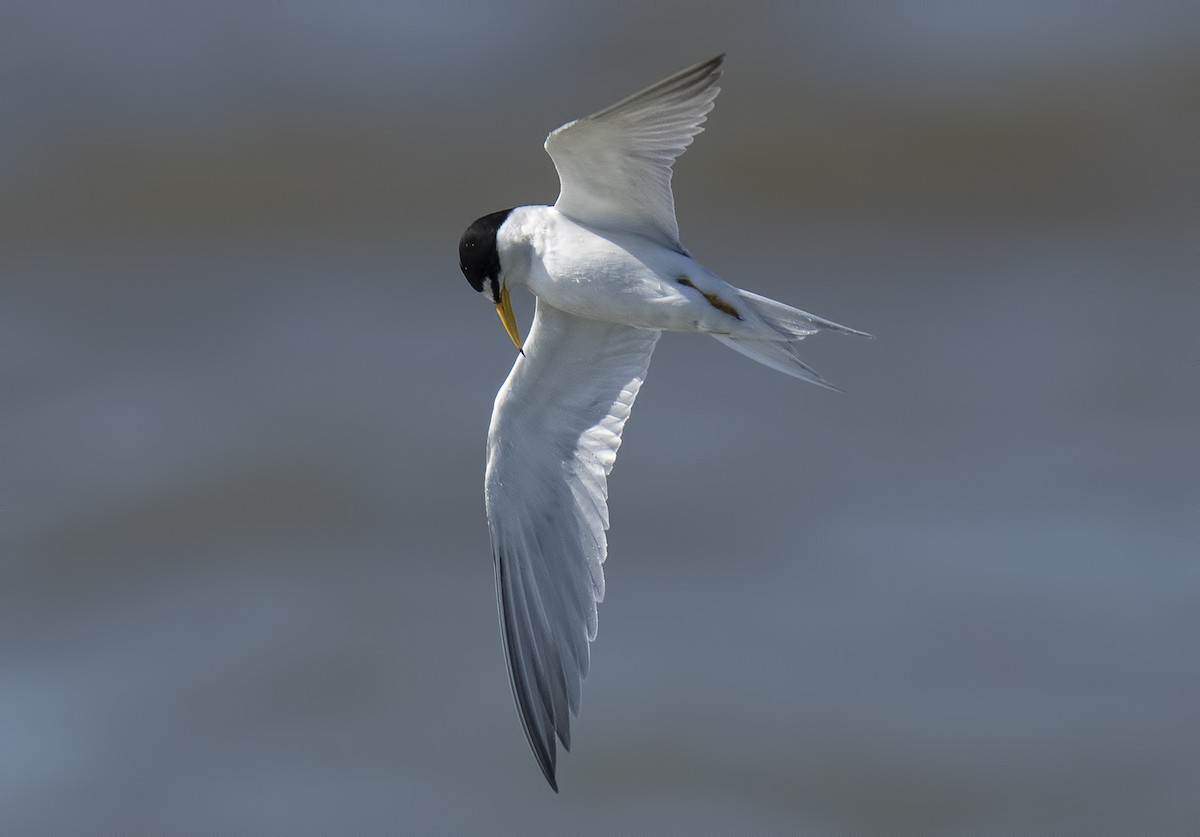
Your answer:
<point x="546" y="493"/>
<point x="614" y="166"/>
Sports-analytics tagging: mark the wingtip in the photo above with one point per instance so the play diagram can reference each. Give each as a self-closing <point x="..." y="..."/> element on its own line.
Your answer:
<point x="547" y="758"/>
<point x="706" y="64"/>
<point x="548" y="770"/>
<point x="546" y="755"/>
<point x="714" y="66"/>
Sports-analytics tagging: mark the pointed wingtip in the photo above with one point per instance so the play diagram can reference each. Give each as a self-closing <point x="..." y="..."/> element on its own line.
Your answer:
<point x="547" y="757"/>
<point x="548" y="770"/>
<point x="714" y="66"/>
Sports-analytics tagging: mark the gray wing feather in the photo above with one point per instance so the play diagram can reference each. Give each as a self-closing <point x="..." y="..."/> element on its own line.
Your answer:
<point x="553" y="440"/>
<point x="614" y="167"/>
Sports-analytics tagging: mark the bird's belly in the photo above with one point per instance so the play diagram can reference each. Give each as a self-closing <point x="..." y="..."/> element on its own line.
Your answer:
<point x="598" y="279"/>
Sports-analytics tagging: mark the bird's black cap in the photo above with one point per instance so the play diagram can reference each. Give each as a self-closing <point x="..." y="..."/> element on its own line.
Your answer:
<point x="477" y="253"/>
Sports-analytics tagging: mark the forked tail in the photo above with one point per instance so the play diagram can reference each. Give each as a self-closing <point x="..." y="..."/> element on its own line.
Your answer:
<point x="793" y="325"/>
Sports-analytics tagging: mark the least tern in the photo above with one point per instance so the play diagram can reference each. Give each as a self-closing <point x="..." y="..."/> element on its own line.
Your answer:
<point x="610" y="274"/>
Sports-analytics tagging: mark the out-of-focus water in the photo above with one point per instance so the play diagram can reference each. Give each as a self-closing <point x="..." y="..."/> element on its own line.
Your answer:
<point x="247" y="584"/>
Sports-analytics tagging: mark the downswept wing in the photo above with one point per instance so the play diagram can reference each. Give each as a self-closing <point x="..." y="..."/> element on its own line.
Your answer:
<point x="614" y="167"/>
<point x="553" y="440"/>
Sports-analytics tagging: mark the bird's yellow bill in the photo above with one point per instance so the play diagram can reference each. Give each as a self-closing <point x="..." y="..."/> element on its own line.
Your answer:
<point x="504" y="309"/>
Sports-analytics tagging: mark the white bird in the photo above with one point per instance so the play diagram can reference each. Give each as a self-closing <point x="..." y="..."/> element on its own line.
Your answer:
<point x="610" y="275"/>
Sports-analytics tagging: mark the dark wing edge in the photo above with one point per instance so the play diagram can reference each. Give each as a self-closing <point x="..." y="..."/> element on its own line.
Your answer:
<point x="546" y="495"/>
<point x="682" y="86"/>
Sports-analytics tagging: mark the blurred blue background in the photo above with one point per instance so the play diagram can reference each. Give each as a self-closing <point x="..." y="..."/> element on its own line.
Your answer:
<point x="247" y="583"/>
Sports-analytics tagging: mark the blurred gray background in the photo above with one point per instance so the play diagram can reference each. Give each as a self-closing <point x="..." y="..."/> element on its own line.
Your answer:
<point x="246" y="578"/>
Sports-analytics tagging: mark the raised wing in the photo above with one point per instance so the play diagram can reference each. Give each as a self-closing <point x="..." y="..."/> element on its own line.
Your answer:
<point x="614" y="166"/>
<point x="553" y="439"/>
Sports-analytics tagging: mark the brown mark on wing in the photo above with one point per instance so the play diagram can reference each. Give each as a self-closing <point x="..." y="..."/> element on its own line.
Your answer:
<point x="713" y="300"/>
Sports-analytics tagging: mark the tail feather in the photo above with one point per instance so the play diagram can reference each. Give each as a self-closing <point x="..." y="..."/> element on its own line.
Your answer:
<point x="791" y="321"/>
<point x="793" y="325"/>
<point x="780" y="355"/>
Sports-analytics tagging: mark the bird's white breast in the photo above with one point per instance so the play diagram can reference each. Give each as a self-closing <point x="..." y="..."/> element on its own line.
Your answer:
<point x="604" y="275"/>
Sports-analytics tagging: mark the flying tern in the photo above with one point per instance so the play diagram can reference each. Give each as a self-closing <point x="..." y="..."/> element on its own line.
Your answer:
<point x="610" y="275"/>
